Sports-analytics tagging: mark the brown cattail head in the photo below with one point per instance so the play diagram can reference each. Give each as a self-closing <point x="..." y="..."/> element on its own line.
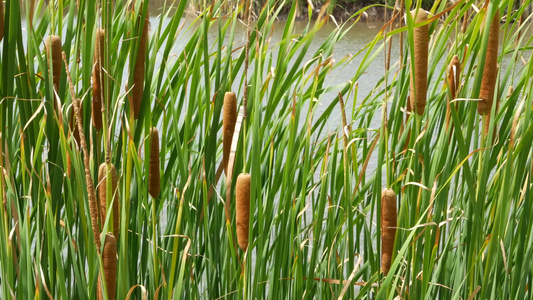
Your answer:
<point x="53" y="48"/>
<point x="1" y="20"/>
<point x="154" y="177"/>
<point x="102" y="192"/>
<point x="388" y="228"/>
<point x="419" y="80"/>
<point x="242" y="206"/>
<point x="138" y="75"/>
<point x="109" y="259"/>
<point x="228" y="126"/>
<point x="98" y="80"/>
<point x="490" y="70"/>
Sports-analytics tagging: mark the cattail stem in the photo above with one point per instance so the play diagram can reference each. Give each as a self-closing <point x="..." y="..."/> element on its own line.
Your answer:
<point x="490" y="69"/>
<point x="93" y="205"/>
<point x="138" y="75"/>
<point x="228" y="126"/>
<point x="242" y="207"/>
<point x="98" y="80"/>
<point x="109" y="259"/>
<point x="521" y="21"/>
<point x="247" y="60"/>
<point x="420" y="60"/>
<point x="102" y="192"/>
<point x="1" y="20"/>
<point x="154" y="177"/>
<point x="388" y="228"/>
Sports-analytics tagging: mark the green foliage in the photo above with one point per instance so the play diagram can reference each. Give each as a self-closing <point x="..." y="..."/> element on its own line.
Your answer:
<point x="464" y="196"/>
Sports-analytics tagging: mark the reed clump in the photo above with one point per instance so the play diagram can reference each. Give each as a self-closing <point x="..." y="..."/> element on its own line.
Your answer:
<point x="418" y="86"/>
<point x="228" y="126"/>
<point x="138" y="75"/>
<point x="242" y="206"/>
<point x="109" y="259"/>
<point x="53" y="52"/>
<point x="98" y="82"/>
<point x="388" y="228"/>
<point x="102" y="193"/>
<point x="490" y="69"/>
<point x="154" y="177"/>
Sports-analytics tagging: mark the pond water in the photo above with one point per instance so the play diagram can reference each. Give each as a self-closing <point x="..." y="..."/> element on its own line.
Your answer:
<point x="354" y="41"/>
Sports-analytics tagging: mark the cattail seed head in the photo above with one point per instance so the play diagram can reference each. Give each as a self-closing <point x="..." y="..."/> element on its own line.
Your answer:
<point x="109" y="259"/>
<point x="154" y="177"/>
<point x="98" y="80"/>
<point x="138" y="75"/>
<point x="388" y="228"/>
<point x="102" y="192"/>
<point x="242" y="206"/>
<point x="418" y="87"/>
<point x="490" y="70"/>
<point x="53" y="48"/>
<point x="228" y="126"/>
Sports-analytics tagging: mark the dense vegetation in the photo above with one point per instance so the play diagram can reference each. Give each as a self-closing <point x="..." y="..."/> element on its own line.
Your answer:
<point x="124" y="157"/>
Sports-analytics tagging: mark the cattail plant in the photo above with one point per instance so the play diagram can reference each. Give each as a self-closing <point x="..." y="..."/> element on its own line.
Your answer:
<point x="154" y="177"/>
<point x="419" y="83"/>
<point x="138" y="75"/>
<point x="102" y="192"/>
<point x="228" y="126"/>
<point x="53" y="52"/>
<point x="98" y="82"/>
<point x="453" y="82"/>
<point x="109" y="259"/>
<point x="490" y="69"/>
<point x="388" y="228"/>
<point x="242" y="206"/>
<point x="91" y="193"/>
